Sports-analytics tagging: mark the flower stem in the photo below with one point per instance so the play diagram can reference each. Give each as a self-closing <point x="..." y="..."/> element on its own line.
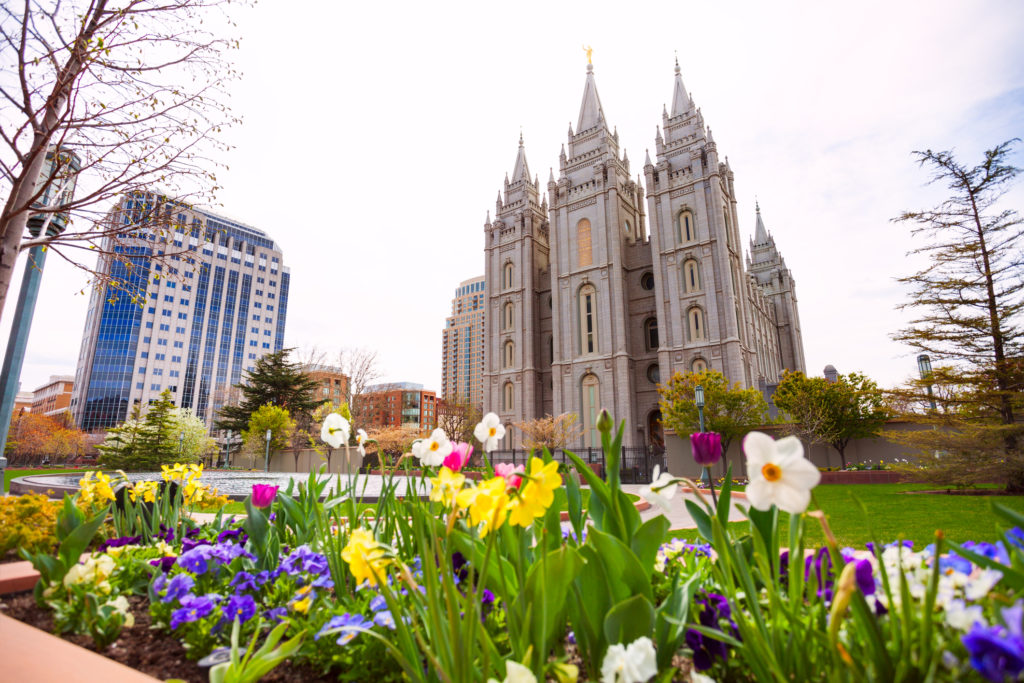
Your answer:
<point x="711" y="484"/>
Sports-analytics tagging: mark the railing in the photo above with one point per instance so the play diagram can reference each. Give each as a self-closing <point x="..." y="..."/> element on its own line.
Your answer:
<point x="636" y="466"/>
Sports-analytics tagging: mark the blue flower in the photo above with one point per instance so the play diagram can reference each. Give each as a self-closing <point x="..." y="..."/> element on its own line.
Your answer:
<point x="119" y="542"/>
<point x="190" y="543"/>
<point x="304" y="559"/>
<point x="378" y="603"/>
<point x="224" y="553"/>
<point x="998" y="652"/>
<point x="1015" y="537"/>
<point x="384" y="618"/>
<point x="244" y="581"/>
<point x="192" y="609"/>
<point x="276" y="614"/>
<point x="196" y="560"/>
<point x="178" y="587"/>
<point x="993" y="551"/>
<point x="865" y="575"/>
<point x="706" y="649"/>
<point x="347" y="626"/>
<point x="237" y="535"/>
<point x="241" y="607"/>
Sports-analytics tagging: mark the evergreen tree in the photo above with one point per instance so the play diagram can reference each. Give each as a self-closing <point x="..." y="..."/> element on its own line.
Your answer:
<point x="144" y="443"/>
<point x="275" y="381"/>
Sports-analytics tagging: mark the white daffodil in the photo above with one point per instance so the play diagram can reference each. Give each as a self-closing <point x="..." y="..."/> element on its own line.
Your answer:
<point x="361" y="437"/>
<point x="490" y="431"/>
<point x="778" y="473"/>
<point x="515" y="673"/>
<point x="661" y="489"/>
<point x="434" y="449"/>
<point x="634" y="663"/>
<point x="335" y="431"/>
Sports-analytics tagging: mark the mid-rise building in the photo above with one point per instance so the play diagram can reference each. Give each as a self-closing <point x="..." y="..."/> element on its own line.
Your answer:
<point x="190" y="322"/>
<point x="54" y="397"/>
<point x="613" y="281"/>
<point x="462" y="345"/>
<point x="23" y="401"/>
<point x="400" y="404"/>
<point x="333" y="383"/>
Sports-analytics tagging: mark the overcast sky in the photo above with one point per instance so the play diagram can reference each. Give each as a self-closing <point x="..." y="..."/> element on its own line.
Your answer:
<point x="376" y="137"/>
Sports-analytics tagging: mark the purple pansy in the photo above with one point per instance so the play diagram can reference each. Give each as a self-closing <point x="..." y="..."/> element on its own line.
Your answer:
<point x="118" y="542"/>
<point x="276" y="614"/>
<point x="236" y="535"/>
<point x="705" y="649"/>
<point x="193" y="543"/>
<point x="378" y="603"/>
<point x="384" y="618"/>
<point x="192" y="609"/>
<point x="164" y="563"/>
<point x="178" y="587"/>
<point x="997" y="652"/>
<point x="244" y="581"/>
<point x="304" y="559"/>
<point x="196" y="560"/>
<point x="865" y="575"/>
<point x="241" y="607"/>
<point x="224" y="553"/>
<point x="348" y="627"/>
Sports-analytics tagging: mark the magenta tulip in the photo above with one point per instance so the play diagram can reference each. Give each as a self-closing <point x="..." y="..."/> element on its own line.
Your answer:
<point x="707" y="447"/>
<point x="459" y="457"/>
<point x="263" y="495"/>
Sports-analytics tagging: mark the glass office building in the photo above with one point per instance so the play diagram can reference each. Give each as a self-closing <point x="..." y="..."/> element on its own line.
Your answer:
<point x="190" y="321"/>
<point x="462" y="345"/>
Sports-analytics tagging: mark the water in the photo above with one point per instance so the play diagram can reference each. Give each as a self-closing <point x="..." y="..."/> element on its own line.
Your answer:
<point x="239" y="484"/>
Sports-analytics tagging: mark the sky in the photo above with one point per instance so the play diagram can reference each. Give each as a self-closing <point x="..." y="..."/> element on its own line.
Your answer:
<point x="376" y="136"/>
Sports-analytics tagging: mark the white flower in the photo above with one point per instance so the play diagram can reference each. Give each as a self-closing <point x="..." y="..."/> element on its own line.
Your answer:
<point x="633" y="664"/>
<point x="361" y="437"/>
<point x="335" y="431"/>
<point x="979" y="586"/>
<point x="660" y="490"/>
<point x="778" y="473"/>
<point x="120" y="603"/>
<point x="516" y="673"/>
<point x="489" y="431"/>
<point x="962" y="617"/>
<point x="433" y="450"/>
<point x="700" y="678"/>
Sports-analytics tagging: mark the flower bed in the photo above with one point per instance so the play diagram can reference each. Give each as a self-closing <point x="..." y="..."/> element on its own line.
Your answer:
<point x="863" y="477"/>
<point x="480" y="580"/>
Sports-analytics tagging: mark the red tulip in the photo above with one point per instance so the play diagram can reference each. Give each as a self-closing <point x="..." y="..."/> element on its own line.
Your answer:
<point x="707" y="447"/>
<point x="263" y="495"/>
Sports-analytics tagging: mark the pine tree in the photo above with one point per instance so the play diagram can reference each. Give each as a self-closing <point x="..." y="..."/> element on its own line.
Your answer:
<point x="158" y="444"/>
<point x="275" y="381"/>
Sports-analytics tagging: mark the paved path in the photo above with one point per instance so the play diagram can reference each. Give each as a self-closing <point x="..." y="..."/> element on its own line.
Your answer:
<point x="678" y="516"/>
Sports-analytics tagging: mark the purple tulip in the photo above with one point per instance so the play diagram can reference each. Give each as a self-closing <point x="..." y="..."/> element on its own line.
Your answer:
<point x="707" y="447"/>
<point x="263" y="495"/>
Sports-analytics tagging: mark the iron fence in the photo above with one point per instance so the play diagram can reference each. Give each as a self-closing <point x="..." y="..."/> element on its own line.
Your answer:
<point x="636" y="465"/>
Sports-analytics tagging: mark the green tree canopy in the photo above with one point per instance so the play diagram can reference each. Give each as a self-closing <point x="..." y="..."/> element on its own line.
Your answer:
<point x="732" y="411"/>
<point x="144" y="443"/>
<point x="852" y="407"/>
<point x="274" y="380"/>
<point x="271" y="417"/>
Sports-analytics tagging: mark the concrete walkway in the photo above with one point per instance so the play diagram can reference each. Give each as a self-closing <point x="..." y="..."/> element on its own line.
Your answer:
<point x="679" y="517"/>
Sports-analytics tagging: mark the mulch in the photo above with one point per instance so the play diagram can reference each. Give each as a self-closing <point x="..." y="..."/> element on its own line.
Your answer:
<point x="143" y="648"/>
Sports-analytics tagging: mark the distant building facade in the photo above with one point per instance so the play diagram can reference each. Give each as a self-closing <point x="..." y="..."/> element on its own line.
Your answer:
<point x="54" y="398"/>
<point x="462" y="345"/>
<point x="611" y="282"/>
<point x="333" y="383"/>
<point x="23" y="401"/>
<point x="401" y="404"/>
<point x="198" y="321"/>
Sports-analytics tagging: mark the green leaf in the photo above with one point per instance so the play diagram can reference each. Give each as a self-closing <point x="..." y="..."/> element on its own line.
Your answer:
<point x="701" y="519"/>
<point x="765" y="523"/>
<point x="670" y="620"/>
<point x="628" y="620"/>
<point x="75" y="543"/>
<point x="626" y="576"/>
<point x="725" y="497"/>
<point x="648" y="539"/>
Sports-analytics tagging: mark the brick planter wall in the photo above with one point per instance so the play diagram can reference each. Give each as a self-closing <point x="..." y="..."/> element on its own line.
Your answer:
<point x="863" y="477"/>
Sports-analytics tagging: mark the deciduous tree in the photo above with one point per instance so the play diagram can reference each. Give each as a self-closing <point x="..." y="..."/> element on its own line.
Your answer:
<point x="274" y="418"/>
<point x="551" y="432"/>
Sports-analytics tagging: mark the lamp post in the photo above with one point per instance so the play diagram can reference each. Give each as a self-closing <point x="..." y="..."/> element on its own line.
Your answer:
<point x="266" y="459"/>
<point x="698" y="399"/>
<point x="181" y="445"/>
<point x="227" y="450"/>
<point x="924" y="366"/>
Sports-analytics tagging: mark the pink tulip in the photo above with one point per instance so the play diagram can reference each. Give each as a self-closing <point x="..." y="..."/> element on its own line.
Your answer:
<point x="707" y="447"/>
<point x="459" y="457"/>
<point x="263" y="495"/>
<point x="507" y="471"/>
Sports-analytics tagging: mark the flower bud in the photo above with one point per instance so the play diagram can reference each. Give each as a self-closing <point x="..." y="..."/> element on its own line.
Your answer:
<point x="604" y="422"/>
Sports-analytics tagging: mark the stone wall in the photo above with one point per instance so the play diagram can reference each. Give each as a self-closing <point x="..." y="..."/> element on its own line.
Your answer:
<point x="308" y="460"/>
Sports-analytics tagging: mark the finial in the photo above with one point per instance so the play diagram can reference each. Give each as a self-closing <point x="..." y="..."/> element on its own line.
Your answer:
<point x="520" y="136"/>
<point x="590" y="51"/>
<point x="488" y="216"/>
<point x="757" y="206"/>
<point x="677" y="61"/>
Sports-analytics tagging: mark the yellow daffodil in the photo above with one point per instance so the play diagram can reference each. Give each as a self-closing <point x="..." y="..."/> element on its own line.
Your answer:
<point x="486" y="503"/>
<point x="537" y="494"/>
<point x="144" y="489"/>
<point x="95" y="486"/>
<point x="366" y="558"/>
<point x="445" y="485"/>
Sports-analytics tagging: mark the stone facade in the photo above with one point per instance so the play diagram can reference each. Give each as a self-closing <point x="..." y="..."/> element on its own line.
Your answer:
<point x="593" y="307"/>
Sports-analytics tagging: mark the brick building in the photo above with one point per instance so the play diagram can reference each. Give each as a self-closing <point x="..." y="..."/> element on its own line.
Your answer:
<point x="403" y="404"/>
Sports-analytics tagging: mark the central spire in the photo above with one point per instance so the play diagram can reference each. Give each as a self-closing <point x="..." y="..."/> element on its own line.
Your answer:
<point x="521" y="170"/>
<point x="591" y="112"/>
<point x="760" y="234"/>
<point x="680" y="100"/>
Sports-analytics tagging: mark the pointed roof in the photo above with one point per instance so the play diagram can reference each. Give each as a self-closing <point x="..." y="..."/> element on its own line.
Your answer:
<point x="760" y="234"/>
<point x="680" y="100"/>
<point x="591" y="112"/>
<point x="521" y="170"/>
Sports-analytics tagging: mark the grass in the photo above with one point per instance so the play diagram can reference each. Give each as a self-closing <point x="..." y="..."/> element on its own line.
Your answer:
<point x="14" y="474"/>
<point x="894" y="514"/>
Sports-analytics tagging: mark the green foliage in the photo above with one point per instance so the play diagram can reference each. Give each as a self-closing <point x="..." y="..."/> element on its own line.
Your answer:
<point x="732" y="411"/>
<point x="276" y="381"/>
<point x="165" y="435"/>
<point x="27" y="522"/>
<point x="852" y="407"/>
<point x="251" y="666"/>
<point x="271" y="417"/>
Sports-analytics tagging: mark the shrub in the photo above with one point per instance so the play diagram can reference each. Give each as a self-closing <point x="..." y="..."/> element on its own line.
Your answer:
<point x="27" y="522"/>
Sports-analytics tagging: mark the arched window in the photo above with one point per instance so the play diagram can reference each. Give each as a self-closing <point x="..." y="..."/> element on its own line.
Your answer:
<point x="687" y="227"/>
<point x="651" y="334"/>
<point x="591" y="403"/>
<point x="691" y="276"/>
<point x="696" y="324"/>
<point x="506" y="320"/>
<point x="647" y="281"/>
<point x="588" y="319"/>
<point x="653" y="373"/>
<point x="699" y="365"/>
<point x="509" y="354"/>
<point x="584" y="253"/>
<point x="506" y="281"/>
<point x="507" y="397"/>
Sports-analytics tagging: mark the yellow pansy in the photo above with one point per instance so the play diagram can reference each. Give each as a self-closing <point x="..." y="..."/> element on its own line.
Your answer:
<point x="366" y="558"/>
<point x="445" y="485"/>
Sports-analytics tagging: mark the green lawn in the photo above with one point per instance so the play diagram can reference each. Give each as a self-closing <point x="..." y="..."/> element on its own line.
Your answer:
<point x="895" y="514"/>
<point x="14" y="474"/>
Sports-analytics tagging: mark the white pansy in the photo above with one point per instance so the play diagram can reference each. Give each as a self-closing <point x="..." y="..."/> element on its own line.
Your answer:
<point x="700" y="678"/>
<point x="961" y="616"/>
<point x="635" y="663"/>
<point x="489" y="431"/>
<point x="361" y="437"/>
<point x="661" y="489"/>
<point x="434" y="449"/>
<point x="335" y="431"/>
<point x="515" y="673"/>
<point x="778" y="473"/>
<point x="978" y="586"/>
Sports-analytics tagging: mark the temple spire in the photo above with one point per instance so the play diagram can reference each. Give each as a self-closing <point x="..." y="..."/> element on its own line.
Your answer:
<point x="680" y="100"/>
<point x="521" y="170"/>
<point x="760" y="234"/>
<point x="591" y="112"/>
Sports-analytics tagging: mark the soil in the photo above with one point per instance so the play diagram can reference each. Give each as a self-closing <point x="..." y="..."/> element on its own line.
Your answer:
<point x="145" y="649"/>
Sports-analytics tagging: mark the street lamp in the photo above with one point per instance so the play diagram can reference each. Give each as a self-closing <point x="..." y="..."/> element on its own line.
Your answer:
<point x="181" y="445"/>
<point x="699" y="400"/>
<point x="924" y="366"/>
<point x="266" y="460"/>
<point x="227" y="450"/>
